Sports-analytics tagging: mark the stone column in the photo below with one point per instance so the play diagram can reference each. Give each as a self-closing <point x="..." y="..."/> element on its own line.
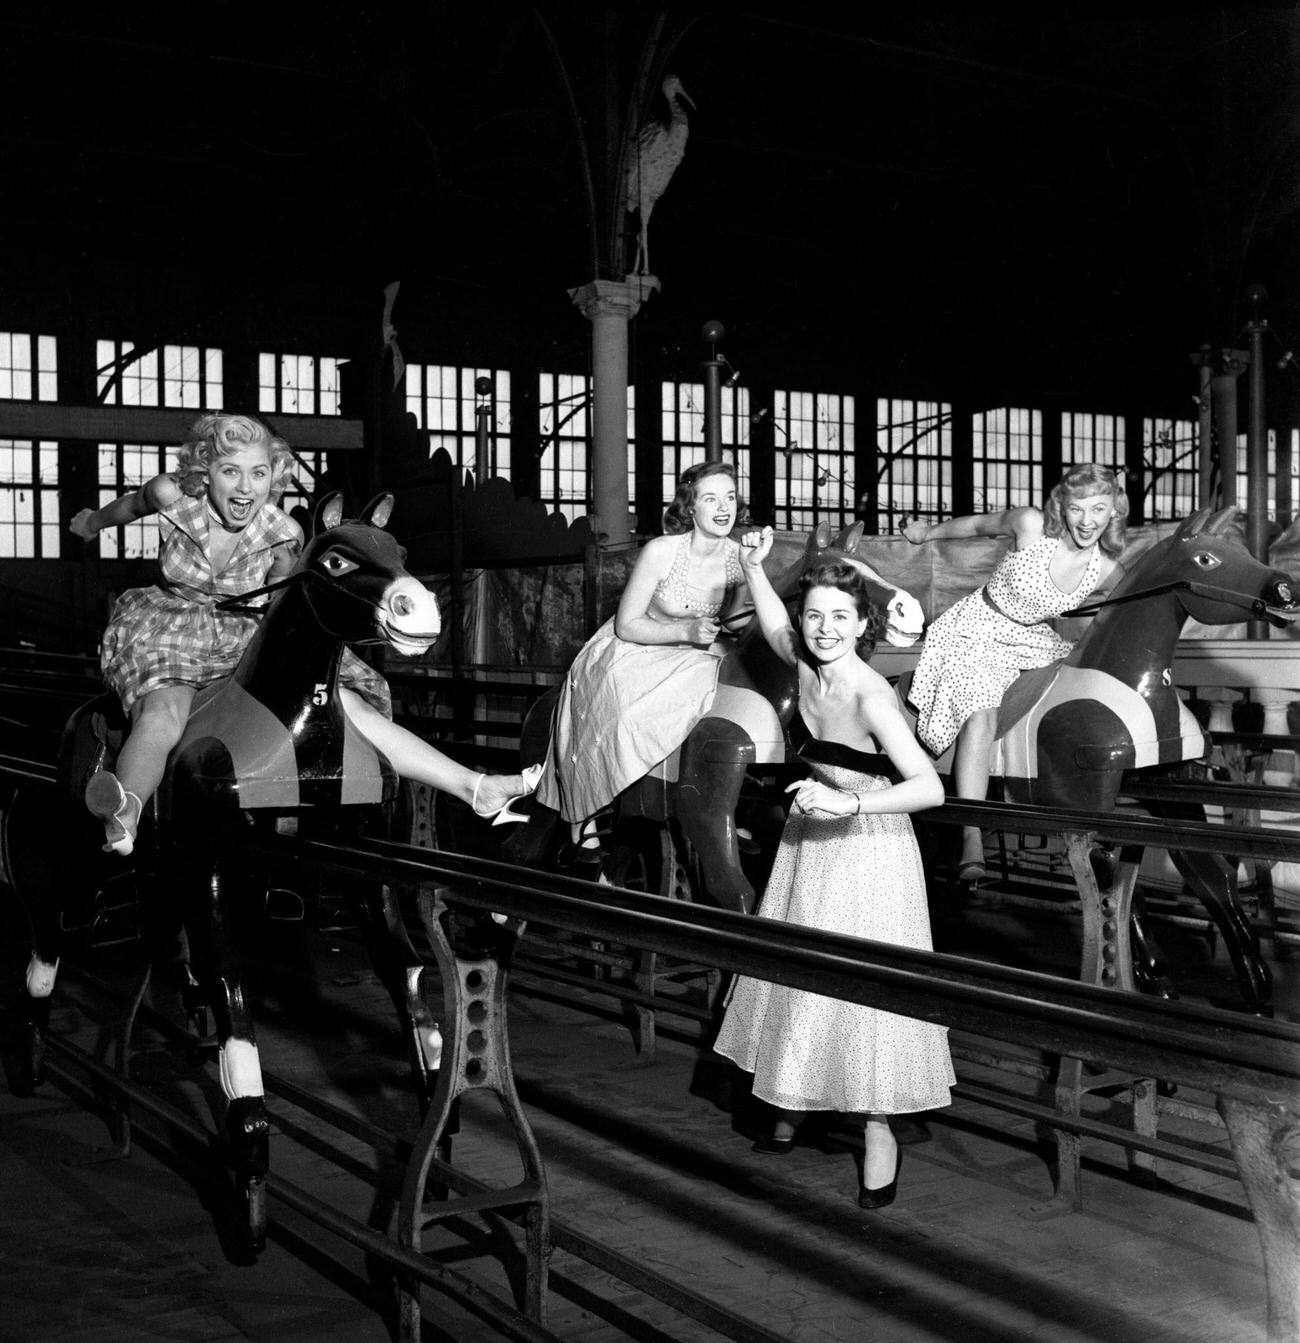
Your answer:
<point x="611" y="305"/>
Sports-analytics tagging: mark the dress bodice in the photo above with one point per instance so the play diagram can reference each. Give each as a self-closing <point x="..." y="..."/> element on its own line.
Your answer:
<point x="676" y="599"/>
<point x="1023" y="589"/>
<point x="185" y="555"/>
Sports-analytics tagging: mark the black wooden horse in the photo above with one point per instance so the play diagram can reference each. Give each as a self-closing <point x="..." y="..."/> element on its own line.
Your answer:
<point x="745" y="725"/>
<point x="271" y="739"/>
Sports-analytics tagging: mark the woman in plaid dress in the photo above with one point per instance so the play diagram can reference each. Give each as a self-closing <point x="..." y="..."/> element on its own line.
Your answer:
<point x="222" y="537"/>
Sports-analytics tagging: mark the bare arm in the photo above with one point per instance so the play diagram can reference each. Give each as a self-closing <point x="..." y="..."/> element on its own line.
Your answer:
<point x="286" y="554"/>
<point x="773" y="619"/>
<point x="1025" y="524"/>
<point x="160" y="492"/>
<point x="921" y="786"/>
<point x="633" y="621"/>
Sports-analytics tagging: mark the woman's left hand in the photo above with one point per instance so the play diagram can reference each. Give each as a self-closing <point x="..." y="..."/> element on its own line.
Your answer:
<point x="813" y="798"/>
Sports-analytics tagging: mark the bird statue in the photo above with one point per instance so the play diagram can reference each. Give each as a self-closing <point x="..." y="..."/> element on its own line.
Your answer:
<point x="658" y="150"/>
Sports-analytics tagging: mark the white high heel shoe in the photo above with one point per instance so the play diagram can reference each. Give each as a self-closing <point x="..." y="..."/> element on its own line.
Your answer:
<point x="505" y="814"/>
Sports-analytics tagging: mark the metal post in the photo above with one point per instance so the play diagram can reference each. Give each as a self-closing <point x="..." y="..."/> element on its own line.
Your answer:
<point x="713" y="332"/>
<point x="482" y="416"/>
<point x="1256" y="446"/>
<point x="1229" y="366"/>
<point x="1203" y="360"/>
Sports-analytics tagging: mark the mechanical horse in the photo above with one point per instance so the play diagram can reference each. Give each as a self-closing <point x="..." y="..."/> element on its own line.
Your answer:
<point x="745" y="725"/>
<point x="270" y="739"/>
<point x="1069" y="733"/>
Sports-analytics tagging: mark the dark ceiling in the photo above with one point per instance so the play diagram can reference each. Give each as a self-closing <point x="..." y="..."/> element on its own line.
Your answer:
<point x="1062" y="202"/>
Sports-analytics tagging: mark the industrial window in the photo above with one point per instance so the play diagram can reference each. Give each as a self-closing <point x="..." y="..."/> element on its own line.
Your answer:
<point x="28" y="367"/>
<point x="298" y="384"/>
<point x="173" y="375"/>
<point x="1092" y="438"/>
<point x="1169" y="468"/>
<point x="564" y="420"/>
<point x="914" y="464"/>
<point x="122" y="469"/>
<point x="815" y="475"/>
<point x="445" y="403"/>
<point x="1243" y="474"/>
<point x="29" y="499"/>
<point x="308" y="467"/>
<point x="682" y="414"/>
<point x="1007" y="459"/>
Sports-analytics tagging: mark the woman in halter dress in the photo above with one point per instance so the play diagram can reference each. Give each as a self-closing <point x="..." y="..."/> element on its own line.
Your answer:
<point x="648" y="675"/>
<point x="977" y="648"/>
<point x="848" y="863"/>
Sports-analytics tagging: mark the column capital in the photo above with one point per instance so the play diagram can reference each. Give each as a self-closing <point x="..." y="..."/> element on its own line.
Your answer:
<point x="614" y="298"/>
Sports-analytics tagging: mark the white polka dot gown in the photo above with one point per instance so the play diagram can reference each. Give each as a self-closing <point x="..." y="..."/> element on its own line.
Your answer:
<point x="859" y="875"/>
<point x="978" y="647"/>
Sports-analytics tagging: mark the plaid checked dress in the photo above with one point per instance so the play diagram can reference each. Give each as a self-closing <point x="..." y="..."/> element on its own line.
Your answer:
<point x="173" y="633"/>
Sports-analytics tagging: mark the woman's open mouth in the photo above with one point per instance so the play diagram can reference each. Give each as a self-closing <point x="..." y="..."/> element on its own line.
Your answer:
<point x="239" y="509"/>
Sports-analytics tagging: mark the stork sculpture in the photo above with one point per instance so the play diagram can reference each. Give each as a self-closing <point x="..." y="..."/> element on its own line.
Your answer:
<point x="652" y="160"/>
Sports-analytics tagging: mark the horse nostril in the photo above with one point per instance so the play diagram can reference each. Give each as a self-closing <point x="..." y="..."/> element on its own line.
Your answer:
<point x="403" y="605"/>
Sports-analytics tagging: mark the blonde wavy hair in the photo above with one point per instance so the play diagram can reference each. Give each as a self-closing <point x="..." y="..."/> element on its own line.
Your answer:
<point x="220" y="434"/>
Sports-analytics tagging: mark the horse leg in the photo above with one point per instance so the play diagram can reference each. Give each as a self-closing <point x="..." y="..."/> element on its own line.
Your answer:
<point x="247" y="1124"/>
<point x="1214" y="880"/>
<point x="712" y="770"/>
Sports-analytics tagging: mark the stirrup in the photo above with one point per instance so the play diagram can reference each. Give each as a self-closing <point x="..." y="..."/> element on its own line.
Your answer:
<point x="117" y="808"/>
<point x="505" y="814"/>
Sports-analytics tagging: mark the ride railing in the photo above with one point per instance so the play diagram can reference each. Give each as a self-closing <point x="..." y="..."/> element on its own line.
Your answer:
<point x="1251" y="1065"/>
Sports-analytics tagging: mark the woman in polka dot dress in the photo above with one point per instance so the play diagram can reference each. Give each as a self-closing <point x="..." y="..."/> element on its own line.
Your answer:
<point x="1058" y="558"/>
<point x="647" y="676"/>
<point x="847" y="863"/>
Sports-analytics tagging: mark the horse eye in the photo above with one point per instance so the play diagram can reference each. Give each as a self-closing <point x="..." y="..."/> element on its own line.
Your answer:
<point x="337" y="565"/>
<point x="1205" y="559"/>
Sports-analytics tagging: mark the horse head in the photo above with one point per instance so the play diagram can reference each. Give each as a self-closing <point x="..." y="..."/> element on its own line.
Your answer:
<point x="1219" y="580"/>
<point x="354" y="577"/>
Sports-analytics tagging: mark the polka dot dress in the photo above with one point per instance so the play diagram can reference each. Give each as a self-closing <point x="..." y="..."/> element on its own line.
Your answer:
<point x="859" y="875"/>
<point x="978" y="647"/>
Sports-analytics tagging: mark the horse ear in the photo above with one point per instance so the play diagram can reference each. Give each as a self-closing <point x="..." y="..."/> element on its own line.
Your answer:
<point x="378" y="510"/>
<point x="850" y="536"/>
<point x="329" y="513"/>
<point x="820" y="537"/>
<point x="1225" y="520"/>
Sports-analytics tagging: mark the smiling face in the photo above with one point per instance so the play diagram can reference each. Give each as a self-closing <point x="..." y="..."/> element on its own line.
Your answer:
<point x="714" y="509"/>
<point x="1086" y="517"/>
<point x="239" y="484"/>
<point x="830" y="623"/>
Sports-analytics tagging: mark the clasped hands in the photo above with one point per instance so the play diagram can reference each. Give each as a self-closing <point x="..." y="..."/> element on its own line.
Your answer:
<point x="811" y="796"/>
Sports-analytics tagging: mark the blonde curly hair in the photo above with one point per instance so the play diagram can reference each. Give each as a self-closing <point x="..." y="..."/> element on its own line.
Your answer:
<point x="219" y="434"/>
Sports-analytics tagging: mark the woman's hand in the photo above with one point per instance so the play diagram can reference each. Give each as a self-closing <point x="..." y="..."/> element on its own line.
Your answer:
<point x="84" y="525"/>
<point x="813" y="798"/>
<point x="916" y="531"/>
<point x="755" y="547"/>
<point x="702" y="630"/>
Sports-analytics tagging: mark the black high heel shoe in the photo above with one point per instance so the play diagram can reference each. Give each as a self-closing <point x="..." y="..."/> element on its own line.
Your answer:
<point x="884" y="1196"/>
<point x="773" y="1146"/>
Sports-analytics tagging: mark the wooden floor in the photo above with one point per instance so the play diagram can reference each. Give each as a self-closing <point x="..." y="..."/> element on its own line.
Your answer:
<point x="653" y="1160"/>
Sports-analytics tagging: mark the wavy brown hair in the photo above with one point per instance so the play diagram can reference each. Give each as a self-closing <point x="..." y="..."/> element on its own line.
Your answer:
<point x="850" y="580"/>
<point x="677" y="516"/>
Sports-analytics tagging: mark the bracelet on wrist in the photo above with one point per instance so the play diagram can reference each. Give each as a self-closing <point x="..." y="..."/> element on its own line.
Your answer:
<point x="857" y="804"/>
